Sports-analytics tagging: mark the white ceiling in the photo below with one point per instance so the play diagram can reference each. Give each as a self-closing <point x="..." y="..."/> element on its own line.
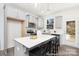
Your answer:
<point x="44" y="8"/>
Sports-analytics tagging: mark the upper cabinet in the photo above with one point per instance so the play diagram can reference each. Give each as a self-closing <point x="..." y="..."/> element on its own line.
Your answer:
<point x="31" y="23"/>
<point x="58" y="22"/>
<point x="40" y="23"/>
<point x="15" y="13"/>
<point x="11" y="12"/>
<point x="21" y="14"/>
<point x="32" y="19"/>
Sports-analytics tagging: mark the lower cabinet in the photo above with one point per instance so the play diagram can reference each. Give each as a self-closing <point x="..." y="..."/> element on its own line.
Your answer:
<point x="20" y="50"/>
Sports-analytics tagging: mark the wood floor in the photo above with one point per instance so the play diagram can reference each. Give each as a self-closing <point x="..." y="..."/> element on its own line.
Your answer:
<point x="8" y="52"/>
<point x="68" y="51"/>
<point x="63" y="51"/>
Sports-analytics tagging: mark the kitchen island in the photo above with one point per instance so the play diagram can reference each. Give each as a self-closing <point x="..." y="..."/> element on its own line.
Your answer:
<point x="25" y="44"/>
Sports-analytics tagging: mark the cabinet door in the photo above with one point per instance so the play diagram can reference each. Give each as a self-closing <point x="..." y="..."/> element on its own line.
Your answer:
<point x="11" y="12"/>
<point x="31" y="19"/>
<point x="20" y="50"/>
<point x="40" y="23"/>
<point x="21" y="14"/>
<point x="58" y="22"/>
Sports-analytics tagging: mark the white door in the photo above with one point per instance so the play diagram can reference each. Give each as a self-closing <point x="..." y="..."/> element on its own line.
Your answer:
<point x="70" y="31"/>
<point x="14" y="31"/>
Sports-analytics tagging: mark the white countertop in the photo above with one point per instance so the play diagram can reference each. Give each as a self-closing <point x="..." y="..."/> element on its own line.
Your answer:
<point x="29" y="43"/>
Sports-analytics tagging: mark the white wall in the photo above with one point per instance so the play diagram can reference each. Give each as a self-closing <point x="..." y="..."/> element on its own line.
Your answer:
<point x="1" y="26"/>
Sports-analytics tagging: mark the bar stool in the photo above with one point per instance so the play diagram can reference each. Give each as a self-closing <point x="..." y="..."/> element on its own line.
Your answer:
<point x="55" y="45"/>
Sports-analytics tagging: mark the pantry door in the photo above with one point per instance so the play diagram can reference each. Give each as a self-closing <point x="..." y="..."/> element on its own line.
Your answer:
<point x="14" y="31"/>
<point x="70" y="31"/>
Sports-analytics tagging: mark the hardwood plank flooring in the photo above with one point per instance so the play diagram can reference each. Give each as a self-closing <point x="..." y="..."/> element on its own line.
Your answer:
<point x="63" y="51"/>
